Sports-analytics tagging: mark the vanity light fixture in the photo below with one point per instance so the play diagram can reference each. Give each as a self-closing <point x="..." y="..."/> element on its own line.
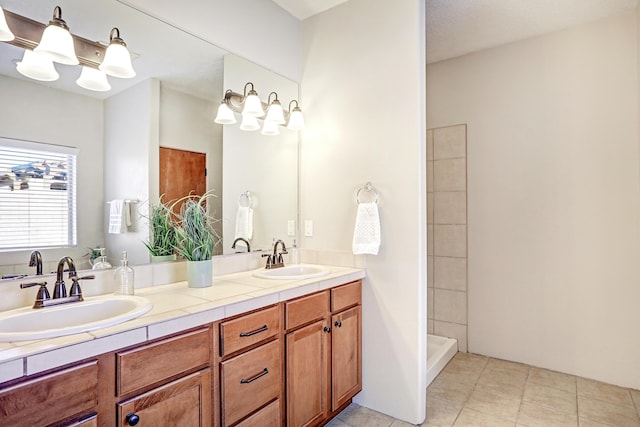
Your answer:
<point x="117" y="59"/>
<point x="37" y="66"/>
<point x="247" y="105"/>
<point x="5" y="32"/>
<point x="56" y="41"/>
<point x="92" y="79"/>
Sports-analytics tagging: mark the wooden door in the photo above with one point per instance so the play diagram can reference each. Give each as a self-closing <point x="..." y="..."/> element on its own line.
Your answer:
<point x="346" y="356"/>
<point x="308" y="374"/>
<point x="181" y="173"/>
<point x="184" y="402"/>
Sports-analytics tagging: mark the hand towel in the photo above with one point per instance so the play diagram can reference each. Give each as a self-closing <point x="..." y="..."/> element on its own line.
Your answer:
<point x="119" y="216"/>
<point x="244" y="224"/>
<point x="366" y="234"/>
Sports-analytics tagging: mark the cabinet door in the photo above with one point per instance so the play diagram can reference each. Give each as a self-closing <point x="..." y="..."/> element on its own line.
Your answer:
<point x="346" y="356"/>
<point x="184" y="402"/>
<point x="308" y="363"/>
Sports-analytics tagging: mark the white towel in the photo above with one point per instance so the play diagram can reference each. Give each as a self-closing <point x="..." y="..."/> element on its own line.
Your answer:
<point x="244" y="224"/>
<point x="366" y="234"/>
<point x="119" y="216"/>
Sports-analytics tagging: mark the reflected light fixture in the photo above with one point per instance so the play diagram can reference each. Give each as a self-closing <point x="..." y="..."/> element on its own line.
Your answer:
<point x="225" y="114"/>
<point x="117" y="59"/>
<point x="93" y="79"/>
<point x="274" y="111"/>
<point x="37" y="66"/>
<point x="296" y="119"/>
<point x="252" y="104"/>
<point x="249" y="123"/>
<point x="5" y="32"/>
<point x="56" y="41"/>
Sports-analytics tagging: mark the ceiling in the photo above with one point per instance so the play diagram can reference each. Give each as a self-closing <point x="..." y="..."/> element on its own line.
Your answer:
<point x="302" y="9"/>
<point x="458" y="27"/>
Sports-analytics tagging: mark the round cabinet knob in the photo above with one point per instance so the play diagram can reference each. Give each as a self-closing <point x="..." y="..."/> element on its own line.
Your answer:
<point x="132" y="419"/>
<point x="327" y="329"/>
<point x="338" y="324"/>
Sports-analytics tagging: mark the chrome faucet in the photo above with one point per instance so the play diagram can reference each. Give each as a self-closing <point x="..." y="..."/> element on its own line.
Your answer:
<point x="36" y="261"/>
<point x="275" y="260"/>
<point x="241" y="239"/>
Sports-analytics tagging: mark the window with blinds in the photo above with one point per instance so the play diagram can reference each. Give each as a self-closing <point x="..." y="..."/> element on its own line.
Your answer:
<point x="37" y="195"/>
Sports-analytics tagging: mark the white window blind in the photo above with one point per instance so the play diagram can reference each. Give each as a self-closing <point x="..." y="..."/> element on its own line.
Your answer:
<point x="37" y="195"/>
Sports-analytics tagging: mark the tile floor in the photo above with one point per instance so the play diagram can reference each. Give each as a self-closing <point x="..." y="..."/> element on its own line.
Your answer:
<point x="479" y="391"/>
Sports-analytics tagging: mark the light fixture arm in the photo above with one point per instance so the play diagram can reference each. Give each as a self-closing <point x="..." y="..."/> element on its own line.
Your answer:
<point x="57" y="18"/>
<point x="234" y="100"/>
<point x="114" y="37"/>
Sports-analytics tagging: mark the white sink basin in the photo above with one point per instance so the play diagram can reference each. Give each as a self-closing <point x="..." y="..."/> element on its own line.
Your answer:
<point x="93" y="313"/>
<point x="292" y="272"/>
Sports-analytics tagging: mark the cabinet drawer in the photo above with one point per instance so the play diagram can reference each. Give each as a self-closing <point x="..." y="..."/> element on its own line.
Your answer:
<point x="52" y="398"/>
<point x="346" y="296"/>
<point x="307" y="309"/>
<point x="250" y="329"/>
<point x="269" y="416"/>
<point x="249" y="381"/>
<point x="153" y="363"/>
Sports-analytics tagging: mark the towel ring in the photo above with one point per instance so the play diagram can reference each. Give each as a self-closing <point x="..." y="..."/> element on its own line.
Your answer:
<point x="246" y="196"/>
<point x="368" y="187"/>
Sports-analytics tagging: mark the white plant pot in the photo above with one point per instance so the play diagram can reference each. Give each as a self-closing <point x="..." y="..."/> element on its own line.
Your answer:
<point x="200" y="273"/>
<point x="163" y="258"/>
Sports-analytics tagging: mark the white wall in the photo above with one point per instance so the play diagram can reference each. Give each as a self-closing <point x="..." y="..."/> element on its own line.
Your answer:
<point x="362" y="97"/>
<point x="35" y="112"/>
<point x="131" y="156"/>
<point x="553" y="196"/>
<point x="256" y="29"/>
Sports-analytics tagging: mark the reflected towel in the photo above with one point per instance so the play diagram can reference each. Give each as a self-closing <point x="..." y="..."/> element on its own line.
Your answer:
<point x="119" y="216"/>
<point x="244" y="224"/>
<point x="366" y="234"/>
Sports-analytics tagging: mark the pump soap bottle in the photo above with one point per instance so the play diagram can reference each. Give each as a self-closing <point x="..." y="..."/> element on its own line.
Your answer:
<point x="124" y="277"/>
<point x="293" y="254"/>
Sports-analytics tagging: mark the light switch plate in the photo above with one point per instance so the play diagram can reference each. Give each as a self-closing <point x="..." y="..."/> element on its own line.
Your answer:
<point x="291" y="227"/>
<point x="308" y="228"/>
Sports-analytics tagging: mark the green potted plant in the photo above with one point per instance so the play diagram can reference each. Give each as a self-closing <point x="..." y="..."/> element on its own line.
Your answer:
<point x="196" y="237"/>
<point x="162" y="233"/>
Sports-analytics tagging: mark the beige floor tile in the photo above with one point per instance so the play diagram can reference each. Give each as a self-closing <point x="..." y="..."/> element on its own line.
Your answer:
<point x="531" y="415"/>
<point x="635" y="396"/>
<point x="453" y="377"/>
<point x="494" y="404"/>
<point x="441" y="412"/>
<point x="553" y="379"/>
<point x="398" y="423"/>
<point x="502" y="382"/>
<point x="602" y="391"/>
<point x="452" y="392"/>
<point x="583" y="422"/>
<point x="336" y="422"/>
<point x="472" y="418"/>
<point x="606" y="412"/>
<point x="513" y="368"/>
<point x="553" y="398"/>
<point x="470" y="365"/>
<point x="359" y="416"/>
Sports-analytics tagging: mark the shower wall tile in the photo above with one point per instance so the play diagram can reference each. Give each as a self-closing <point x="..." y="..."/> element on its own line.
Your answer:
<point x="430" y="144"/>
<point x="450" y="175"/>
<point x="430" y="208"/>
<point x="430" y="271"/>
<point x="450" y="142"/>
<point x="452" y="330"/>
<point x="450" y="240"/>
<point x="430" y="239"/>
<point x="450" y="273"/>
<point x="450" y="306"/>
<point x="430" y="326"/>
<point x="450" y="207"/>
<point x="430" y="173"/>
<point x="430" y="303"/>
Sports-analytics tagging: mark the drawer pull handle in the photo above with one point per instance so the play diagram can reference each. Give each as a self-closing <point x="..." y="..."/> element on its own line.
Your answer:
<point x="252" y="379"/>
<point x="132" y="419"/>
<point x="257" y="331"/>
<point x="327" y="329"/>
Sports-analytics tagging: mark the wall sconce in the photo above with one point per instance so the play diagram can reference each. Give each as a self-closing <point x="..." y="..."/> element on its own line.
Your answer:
<point x="53" y="42"/>
<point x="251" y="108"/>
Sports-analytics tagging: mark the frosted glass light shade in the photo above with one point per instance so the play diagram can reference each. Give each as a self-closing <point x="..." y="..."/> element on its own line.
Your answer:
<point x="57" y="43"/>
<point x="93" y="79"/>
<point x="296" y="120"/>
<point x="270" y="128"/>
<point x="249" y="123"/>
<point x="275" y="113"/>
<point x="252" y="105"/>
<point x="117" y="61"/>
<point x="225" y="115"/>
<point x="5" y="32"/>
<point x="37" y="66"/>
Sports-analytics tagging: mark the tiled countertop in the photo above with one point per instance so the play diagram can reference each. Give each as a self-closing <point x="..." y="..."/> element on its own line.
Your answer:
<point x="176" y="307"/>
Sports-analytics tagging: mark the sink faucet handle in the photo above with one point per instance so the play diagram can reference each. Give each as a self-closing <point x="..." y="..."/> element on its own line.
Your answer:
<point x="43" y="292"/>
<point x="89" y="277"/>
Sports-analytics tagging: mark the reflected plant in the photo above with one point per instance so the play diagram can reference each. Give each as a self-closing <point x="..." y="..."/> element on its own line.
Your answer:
<point x="162" y="233"/>
<point x="196" y="237"/>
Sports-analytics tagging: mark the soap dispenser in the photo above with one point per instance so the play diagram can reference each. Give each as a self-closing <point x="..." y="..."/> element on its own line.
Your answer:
<point x="124" y="276"/>
<point x="101" y="262"/>
<point x="293" y="254"/>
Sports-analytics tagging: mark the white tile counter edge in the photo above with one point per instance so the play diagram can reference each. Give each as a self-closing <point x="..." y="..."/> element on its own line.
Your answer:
<point x="241" y="292"/>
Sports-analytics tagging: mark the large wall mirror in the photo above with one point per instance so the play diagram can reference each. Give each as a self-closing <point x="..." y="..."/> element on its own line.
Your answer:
<point x="170" y="103"/>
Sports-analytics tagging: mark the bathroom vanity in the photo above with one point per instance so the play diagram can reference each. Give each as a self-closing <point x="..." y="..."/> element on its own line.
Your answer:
<point x="287" y="355"/>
